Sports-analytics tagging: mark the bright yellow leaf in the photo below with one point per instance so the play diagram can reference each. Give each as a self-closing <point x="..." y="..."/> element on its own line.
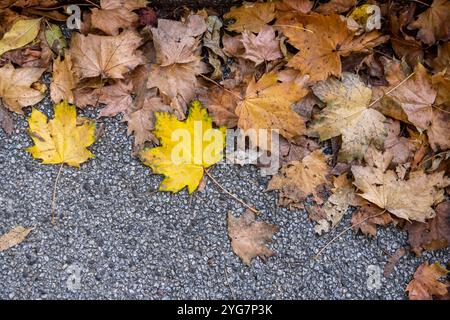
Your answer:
<point x="63" y="139"/>
<point x="21" y="33"/>
<point x="187" y="148"/>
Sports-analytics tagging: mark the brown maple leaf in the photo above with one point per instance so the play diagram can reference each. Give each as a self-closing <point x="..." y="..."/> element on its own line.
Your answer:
<point x="368" y="217"/>
<point x="249" y="237"/>
<point x="117" y="98"/>
<point x="322" y="40"/>
<point x="63" y="80"/>
<point x="250" y="16"/>
<point x="433" y="23"/>
<point x="299" y="179"/>
<point x="141" y="122"/>
<point x="262" y="47"/>
<point x="425" y="284"/>
<point x="105" y="56"/>
<point x="221" y="105"/>
<point x="336" y="6"/>
<point x="111" y="21"/>
<point x="16" y="89"/>
<point x="434" y="233"/>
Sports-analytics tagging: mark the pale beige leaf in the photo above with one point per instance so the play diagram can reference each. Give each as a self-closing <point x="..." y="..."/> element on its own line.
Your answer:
<point x="13" y="237"/>
<point x="64" y="80"/>
<point x="21" y="33"/>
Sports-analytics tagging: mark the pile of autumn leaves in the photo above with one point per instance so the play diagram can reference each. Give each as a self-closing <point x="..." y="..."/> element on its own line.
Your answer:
<point x="382" y="116"/>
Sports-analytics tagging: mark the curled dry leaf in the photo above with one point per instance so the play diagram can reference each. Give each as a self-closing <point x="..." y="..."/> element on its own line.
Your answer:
<point x="13" y="237"/>
<point x="299" y="179"/>
<point x="250" y="16"/>
<point x="347" y="114"/>
<point x="63" y="139"/>
<point x="16" y="87"/>
<point x="250" y="237"/>
<point x="21" y="33"/>
<point x="64" y="80"/>
<point x="221" y="104"/>
<point x="410" y="199"/>
<point x="336" y="6"/>
<point x="105" y="56"/>
<point x="433" y="23"/>
<point x="434" y="233"/>
<point x="368" y="217"/>
<point x="425" y="284"/>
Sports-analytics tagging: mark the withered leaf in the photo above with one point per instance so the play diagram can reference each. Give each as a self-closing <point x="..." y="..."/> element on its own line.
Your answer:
<point x="13" y="237"/>
<point x="425" y="284"/>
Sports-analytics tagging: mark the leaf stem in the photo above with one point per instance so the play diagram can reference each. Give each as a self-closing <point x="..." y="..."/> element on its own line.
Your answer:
<point x="55" y="187"/>
<point x="231" y="195"/>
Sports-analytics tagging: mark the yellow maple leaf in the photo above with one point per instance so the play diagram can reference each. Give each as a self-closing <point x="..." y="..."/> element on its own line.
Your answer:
<point x="63" y="139"/>
<point x="187" y="148"/>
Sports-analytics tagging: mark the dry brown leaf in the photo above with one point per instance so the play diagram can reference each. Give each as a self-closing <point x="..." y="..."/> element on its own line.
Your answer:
<point x="347" y="114"/>
<point x="263" y="47"/>
<point x="6" y="122"/>
<point x="322" y="40"/>
<point x="442" y="61"/>
<point x="15" y="87"/>
<point x="105" y="56"/>
<point x="410" y="199"/>
<point x="250" y="16"/>
<point x="13" y="237"/>
<point x="141" y="122"/>
<point x="111" y="21"/>
<point x="299" y="179"/>
<point x="368" y="217"/>
<point x="393" y="260"/>
<point x="250" y="237"/>
<point x="267" y="105"/>
<point x="301" y="6"/>
<point x="425" y="284"/>
<point x="432" y="235"/>
<point x="401" y="148"/>
<point x="337" y="204"/>
<point x="177" y="42"/>
<point x="64" y="80"/>
<point x="336" y="6"/>
<point x="117" y="98"/>
<point x="221" y="105"/>
<point x="433" y="23"/>
<point x="441" y="82"/>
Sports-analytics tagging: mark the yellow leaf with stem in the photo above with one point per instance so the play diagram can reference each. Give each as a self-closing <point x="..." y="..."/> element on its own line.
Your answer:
<point x="187" y="148"/>
<point x="63" y="139"/>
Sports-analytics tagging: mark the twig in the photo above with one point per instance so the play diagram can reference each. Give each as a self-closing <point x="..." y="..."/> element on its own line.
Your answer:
<point x="391" y="90"/>
<point x="344" y="231"/>
<point x="55" y="186"/>
<point x="230" y="194"/>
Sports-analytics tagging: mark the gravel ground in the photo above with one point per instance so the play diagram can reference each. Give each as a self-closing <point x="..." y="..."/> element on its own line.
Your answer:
<point x="129" y="242"/>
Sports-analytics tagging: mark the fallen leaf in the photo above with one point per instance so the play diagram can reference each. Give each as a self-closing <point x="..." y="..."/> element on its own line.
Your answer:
<point x="442" y="61"/>
<point x="55" y="38"/>
<point x="401" y="148"/>
<point x="322" y="40"/>
<point x="16" y="87"/>
<point x="250" y="16"/>
<point x="410" y="199"/>
<point x="117" y="98"/>
<point x="63" y="139"/>
<point x="299" y="179"/>
<point x="141" y="122"/>
<point x="6" y="122"/>
<point x="177" y="42"/>
<point x="21" y="33"/>
<point x="13" y="237"/>
<point x="250" y="237"/>
<point x="337" y="204"/>
<point x="221" y="105"/>
<point x="111" y="21"/>
<point x="105" y="56"/>
<point x="262" y="47"/>
<point x="425" y="284"/>
<point x="393" y="260"/>
<point x="267" y="105"/>
<point x="180" y="159"/>
<point x="433" y="234"/>
<point x="64" y="80"/>
<point x="368" y="217"/>
<point x="302" y="6"/>
<point x="433" y="23"/>
<point x="347" y="114"/>
<point x="336" y="6"/>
